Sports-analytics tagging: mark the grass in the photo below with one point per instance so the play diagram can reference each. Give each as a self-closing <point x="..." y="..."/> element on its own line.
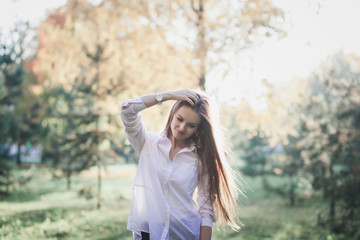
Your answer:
<point x="45" y="209"/>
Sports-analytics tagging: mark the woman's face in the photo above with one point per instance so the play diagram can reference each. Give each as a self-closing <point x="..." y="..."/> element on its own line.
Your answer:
<point x="184" y="123"/>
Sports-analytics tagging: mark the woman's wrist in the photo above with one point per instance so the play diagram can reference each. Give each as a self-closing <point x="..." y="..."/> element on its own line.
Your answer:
<point x="166" y="96"/>
<point x="182" y="95"/>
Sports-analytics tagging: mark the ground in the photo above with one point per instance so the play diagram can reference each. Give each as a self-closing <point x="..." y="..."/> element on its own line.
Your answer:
<point x="44" y="209"/>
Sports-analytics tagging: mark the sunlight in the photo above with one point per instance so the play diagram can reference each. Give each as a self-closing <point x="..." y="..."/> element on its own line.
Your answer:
<point x="283" y="79"/>
<point x="33" y="11"/>
<point x="319" y="29"/>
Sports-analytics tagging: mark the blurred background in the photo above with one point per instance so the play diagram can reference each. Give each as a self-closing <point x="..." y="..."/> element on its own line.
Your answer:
<point x="285" y="75"/>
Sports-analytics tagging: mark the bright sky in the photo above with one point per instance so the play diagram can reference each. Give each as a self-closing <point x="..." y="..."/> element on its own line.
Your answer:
<point x="319" y="29"/>
<point x="33" y="11"/>
<point x="318" y="32"/>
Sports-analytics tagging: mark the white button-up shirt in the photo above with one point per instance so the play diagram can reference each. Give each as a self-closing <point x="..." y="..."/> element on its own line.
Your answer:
<point x="163" y="193"/>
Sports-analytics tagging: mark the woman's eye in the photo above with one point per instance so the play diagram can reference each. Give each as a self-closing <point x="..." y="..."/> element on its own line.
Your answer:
<point x="180" y="119"/>
<point x="191" y="126"/>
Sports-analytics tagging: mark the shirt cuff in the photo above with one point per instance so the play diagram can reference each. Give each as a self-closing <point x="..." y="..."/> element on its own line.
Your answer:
<point x="137" y="105"/>
<point x="206" y="222"/>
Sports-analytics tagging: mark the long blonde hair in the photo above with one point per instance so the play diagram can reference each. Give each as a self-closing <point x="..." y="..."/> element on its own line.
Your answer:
<point x="222" y="179"/>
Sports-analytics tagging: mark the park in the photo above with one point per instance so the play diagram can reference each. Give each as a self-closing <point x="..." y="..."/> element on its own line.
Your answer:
<point x="283" y="78"/>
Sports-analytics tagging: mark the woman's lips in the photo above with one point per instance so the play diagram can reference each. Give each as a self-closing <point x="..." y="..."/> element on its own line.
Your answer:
<point x="180" y="133"/>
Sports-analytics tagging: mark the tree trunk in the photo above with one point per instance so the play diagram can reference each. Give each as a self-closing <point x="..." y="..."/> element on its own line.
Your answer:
<point x="263" y="178"/>
<point x="333" y="184"/>
<point x="7" y="183"/>
<point x="202" y="48"/>
<point x="324" y="185"/>
<point x="292" y="193"/>
<point x="98" y="194"/>
<point x="332" y="193"/>
<point x="56" y="158"/>
<point x="68" y="181"/>
<point x="18" y="154"/>
<point x="68" y="176"/>
<point x="42" y="157"/>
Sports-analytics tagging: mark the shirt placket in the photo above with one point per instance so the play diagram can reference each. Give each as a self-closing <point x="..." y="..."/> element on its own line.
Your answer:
<point x="165" y="234"/>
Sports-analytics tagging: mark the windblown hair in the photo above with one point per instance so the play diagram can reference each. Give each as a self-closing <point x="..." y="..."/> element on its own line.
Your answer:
<point x="223" y="188"/>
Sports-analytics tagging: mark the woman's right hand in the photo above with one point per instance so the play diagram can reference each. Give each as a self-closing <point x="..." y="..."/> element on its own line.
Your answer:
<point x="184" y="95"/>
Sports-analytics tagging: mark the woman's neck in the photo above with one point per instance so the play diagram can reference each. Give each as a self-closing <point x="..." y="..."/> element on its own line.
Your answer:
<point x="176" y="143"/>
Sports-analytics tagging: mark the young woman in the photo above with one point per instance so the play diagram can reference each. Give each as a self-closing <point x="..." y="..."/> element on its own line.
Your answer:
<point x="183" y="160"/>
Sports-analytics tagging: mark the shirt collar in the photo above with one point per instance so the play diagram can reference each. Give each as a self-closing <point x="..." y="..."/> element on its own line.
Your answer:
<point x="164" y="139"/>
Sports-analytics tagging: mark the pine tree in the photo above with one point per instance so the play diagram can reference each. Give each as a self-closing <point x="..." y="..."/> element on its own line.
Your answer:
<point x="330" y="147"/>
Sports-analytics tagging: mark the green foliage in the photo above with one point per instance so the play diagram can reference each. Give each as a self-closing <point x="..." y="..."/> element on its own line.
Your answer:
<point x="45" y="209"/>
<point x="323" y="154"/>
<point x="330" y="142"/>
<point x="93" y="56"/>
<point x="11" y="77"/>
<point x="19" y="108"/>
<point x="5" y="180"/>
<point x="255" y="153"/>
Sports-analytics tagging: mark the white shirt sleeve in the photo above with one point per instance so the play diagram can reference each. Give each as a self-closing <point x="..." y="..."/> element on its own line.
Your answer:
<point x="206" y="211"/>
<point x="135" y="130"/>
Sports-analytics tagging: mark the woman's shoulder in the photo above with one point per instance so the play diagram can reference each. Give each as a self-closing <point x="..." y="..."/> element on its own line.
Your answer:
<point x="152" y="136"/>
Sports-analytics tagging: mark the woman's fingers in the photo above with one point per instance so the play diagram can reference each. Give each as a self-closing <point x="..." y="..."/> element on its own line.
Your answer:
<point x="187" y="95"/>
<point x="192" y="97"/>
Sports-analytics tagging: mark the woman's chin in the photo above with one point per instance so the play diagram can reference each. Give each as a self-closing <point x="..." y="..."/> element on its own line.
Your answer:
<point x="179" y="137"/>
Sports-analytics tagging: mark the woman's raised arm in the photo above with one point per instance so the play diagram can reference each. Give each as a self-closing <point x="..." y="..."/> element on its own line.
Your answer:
<point x="186" y="95"/>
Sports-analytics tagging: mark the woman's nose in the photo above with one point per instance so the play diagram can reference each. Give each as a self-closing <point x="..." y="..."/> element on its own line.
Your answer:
<point x="182" y="127"/>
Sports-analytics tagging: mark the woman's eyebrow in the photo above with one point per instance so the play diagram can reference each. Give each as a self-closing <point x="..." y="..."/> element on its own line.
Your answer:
<point x="189" y="122"/>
